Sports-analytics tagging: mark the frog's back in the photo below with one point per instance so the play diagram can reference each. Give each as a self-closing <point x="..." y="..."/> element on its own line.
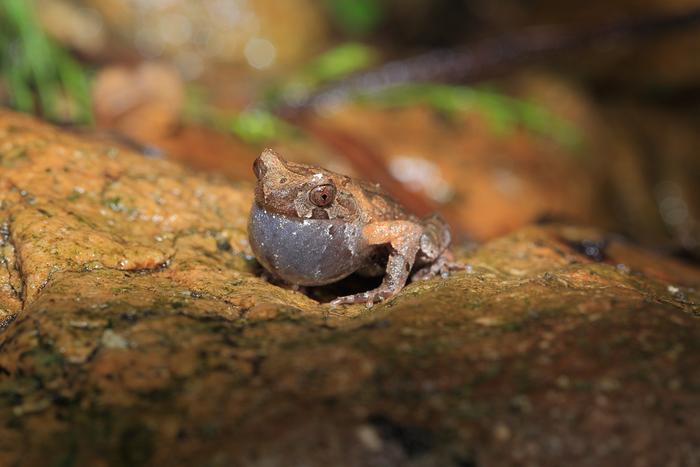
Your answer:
<point x="380" y="204"/>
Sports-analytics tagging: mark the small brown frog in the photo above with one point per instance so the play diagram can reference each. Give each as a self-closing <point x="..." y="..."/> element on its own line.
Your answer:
<point x="311" y="226"/>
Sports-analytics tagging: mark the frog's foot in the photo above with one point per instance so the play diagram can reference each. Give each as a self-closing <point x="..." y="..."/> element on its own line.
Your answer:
<point x="369" y="298"/>
<point x="443" y="265"/>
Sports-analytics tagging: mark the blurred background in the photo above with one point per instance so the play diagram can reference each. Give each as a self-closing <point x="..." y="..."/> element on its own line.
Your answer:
<point x="497" y="114"/>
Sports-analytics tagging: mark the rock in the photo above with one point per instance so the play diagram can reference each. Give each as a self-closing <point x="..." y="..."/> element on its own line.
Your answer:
<point x="138" y="331"/>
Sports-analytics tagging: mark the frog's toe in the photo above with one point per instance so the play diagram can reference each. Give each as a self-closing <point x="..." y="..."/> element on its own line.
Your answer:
<point x="424" y="274"/>
<point x="430" y="271"/>
<point x="369" y="298"/>
<point x="452" y="266"/>
<point x="351" y="299"/>
<point x="441" y="266"/>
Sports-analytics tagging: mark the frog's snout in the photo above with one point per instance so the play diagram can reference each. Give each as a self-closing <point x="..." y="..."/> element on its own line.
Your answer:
<point x="259" y="168"/>
<point x="268" y="160"/>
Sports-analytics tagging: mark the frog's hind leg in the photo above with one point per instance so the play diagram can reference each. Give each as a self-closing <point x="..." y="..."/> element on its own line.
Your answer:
<point x="434" y="257"/>
<point x="442" y="265"/>
<point x="404" y="238"/>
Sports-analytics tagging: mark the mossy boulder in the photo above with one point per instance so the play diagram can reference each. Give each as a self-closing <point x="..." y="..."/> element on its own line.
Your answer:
<point x="137" y="331"/>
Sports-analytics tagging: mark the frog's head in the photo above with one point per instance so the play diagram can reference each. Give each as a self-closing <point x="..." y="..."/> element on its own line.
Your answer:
<point x="300" y="190"/>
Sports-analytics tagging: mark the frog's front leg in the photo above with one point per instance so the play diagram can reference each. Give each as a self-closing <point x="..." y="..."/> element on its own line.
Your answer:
<point x="404" y="238"/>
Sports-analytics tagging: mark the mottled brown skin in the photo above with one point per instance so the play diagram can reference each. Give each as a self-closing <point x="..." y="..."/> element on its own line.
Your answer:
<point x="311" y="226"/>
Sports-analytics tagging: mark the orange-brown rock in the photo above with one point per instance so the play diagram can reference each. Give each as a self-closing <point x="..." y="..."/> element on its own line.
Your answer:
<point x="137" y="331"/>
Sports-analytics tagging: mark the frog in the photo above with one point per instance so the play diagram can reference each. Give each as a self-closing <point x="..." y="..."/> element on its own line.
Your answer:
<point x="310" y="226"/>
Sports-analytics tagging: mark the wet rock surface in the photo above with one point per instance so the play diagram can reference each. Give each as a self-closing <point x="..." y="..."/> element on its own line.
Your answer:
<point x="137" y="331"/>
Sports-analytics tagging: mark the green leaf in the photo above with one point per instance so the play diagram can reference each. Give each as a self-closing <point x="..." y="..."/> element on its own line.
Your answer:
<point x="503" y="113"/>
<point x="331" y="65"/>
<point x="356" y="16"/>
<point x="340" y="62"/>
<point x="256" y="126"/>
<point x="38" y="72"/>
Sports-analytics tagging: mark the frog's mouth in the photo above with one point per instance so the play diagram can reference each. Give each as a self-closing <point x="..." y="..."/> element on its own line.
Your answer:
<point x="278" y="201"/>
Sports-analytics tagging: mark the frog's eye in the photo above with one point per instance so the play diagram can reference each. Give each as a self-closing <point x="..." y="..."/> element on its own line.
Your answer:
<point x="322" y="195"/>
